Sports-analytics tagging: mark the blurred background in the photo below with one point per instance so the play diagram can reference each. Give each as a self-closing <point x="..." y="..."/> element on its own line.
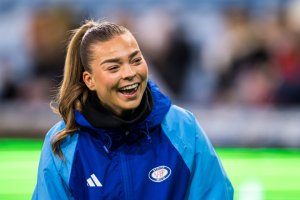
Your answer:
<point x="234" y="63"/>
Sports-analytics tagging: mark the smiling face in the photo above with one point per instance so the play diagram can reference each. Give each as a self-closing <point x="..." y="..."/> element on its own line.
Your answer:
<point x="118" y="74"/>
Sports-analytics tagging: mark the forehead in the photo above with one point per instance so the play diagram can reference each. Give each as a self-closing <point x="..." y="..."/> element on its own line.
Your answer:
<point x="117" y="46"/>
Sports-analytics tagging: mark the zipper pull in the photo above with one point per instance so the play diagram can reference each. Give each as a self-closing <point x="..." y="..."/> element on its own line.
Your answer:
<point x="105" y="149"/>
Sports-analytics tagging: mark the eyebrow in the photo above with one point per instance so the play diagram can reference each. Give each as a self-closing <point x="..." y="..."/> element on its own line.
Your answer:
<point x="134" y="54"/>
<point x="118" y="60"/>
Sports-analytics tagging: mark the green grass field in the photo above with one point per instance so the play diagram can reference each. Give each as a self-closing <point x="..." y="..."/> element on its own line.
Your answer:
<point x="271" y="174"/>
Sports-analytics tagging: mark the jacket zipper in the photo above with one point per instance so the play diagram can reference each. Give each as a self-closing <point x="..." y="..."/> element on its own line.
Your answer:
<point x="125" y="173"/>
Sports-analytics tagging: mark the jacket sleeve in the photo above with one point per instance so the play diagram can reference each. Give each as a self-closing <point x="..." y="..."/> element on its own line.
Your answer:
<point x="208" y="178"/>
<point x="50" y="184"/>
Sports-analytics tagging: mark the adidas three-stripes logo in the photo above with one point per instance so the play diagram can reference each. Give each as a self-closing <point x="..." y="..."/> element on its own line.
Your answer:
<point x="93" y="181"/>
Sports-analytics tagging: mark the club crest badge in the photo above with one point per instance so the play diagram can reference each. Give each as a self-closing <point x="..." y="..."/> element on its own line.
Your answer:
<point x="159" y="174"/>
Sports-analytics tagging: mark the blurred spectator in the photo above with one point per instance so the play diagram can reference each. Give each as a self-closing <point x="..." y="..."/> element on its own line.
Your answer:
<point x="167" y="48"/>
<point x="175" y="63"/>
<point x="263" y="68"/>
<point x="246" y="78"/>
<point x="46" y="36"/>
<point x="287" y="56"/>
<point x="8" y="88"/>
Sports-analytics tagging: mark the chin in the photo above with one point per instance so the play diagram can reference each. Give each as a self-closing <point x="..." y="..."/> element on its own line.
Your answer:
<point x="132" y="106"/>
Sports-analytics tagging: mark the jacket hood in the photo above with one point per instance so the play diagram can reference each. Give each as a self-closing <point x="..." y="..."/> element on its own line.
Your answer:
<point x="161" y="105"/>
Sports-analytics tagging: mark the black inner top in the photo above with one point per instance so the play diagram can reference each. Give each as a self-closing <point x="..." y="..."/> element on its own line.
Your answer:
<point x="100" y="117"/>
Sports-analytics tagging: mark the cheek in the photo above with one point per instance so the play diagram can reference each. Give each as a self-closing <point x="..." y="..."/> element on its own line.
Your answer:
<point x="104" y="83"/>
<point x="143" y="71"/>
<point x="103" y="79"/>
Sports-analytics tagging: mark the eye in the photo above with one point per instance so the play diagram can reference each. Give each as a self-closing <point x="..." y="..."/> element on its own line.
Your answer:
<point x="137" y="60"/>
<point x="113" y="68"/>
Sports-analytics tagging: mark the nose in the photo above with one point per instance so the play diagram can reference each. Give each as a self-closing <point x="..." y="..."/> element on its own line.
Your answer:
<point x="128" y="72"/>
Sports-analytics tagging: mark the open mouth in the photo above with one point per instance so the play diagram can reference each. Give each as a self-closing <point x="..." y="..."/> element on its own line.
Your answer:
<point x="129" y="89"/>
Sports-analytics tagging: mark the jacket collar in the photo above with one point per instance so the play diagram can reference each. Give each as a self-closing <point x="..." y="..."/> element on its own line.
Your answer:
<point x="161" y="105"/>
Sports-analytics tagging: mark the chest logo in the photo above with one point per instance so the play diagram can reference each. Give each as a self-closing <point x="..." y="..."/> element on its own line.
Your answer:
<point x="159" y="174"/>
<point x="93" y="181"/>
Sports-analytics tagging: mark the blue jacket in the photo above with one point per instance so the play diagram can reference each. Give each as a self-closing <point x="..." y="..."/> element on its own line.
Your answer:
<point x="165" y="157"/>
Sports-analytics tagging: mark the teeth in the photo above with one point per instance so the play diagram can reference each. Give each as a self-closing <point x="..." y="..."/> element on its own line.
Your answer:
<point x="130" y="87"/>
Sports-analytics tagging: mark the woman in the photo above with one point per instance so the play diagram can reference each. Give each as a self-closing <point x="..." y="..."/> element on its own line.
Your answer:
<point x="120" y="137"/>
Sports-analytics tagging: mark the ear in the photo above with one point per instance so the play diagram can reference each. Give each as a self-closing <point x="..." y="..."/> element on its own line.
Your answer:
<point x="88" y="80"/>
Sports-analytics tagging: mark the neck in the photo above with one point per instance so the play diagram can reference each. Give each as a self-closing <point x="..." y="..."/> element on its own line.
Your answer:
<point x="102" y="117"/>
<point x="123" y="114"/>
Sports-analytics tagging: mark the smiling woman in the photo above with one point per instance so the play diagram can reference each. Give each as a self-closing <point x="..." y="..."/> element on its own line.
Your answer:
<point x="118" y="129"/>
<point x="118" y="73"/>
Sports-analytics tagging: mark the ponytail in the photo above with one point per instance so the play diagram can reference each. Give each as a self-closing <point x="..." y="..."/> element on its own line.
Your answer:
<point x="73" y="92"/>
